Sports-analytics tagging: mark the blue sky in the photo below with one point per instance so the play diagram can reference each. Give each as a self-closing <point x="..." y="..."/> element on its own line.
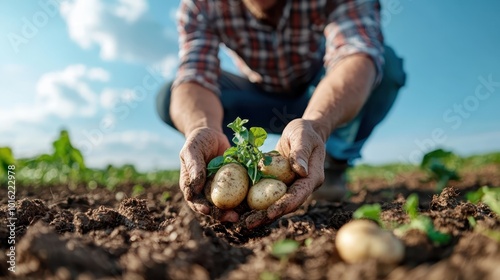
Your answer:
<point x="94" y="67"/>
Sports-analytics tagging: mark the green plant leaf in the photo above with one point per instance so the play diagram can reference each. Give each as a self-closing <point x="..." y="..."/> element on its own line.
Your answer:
<point x="440" y="155"/>
<point x="491" y="198"/>
<point x="411" y="206"/>
<point x="284" y="248"/>
<point x="268" y="275"/>
<point x="267" y="160"/>
<point x="237" y="124"/>
<point x="138" y="190"/>
<point x="487" y="195"/>
<point x="166" y="196"/>
<point x="6" y="159"/>
<point x="246" y="152"/>
<point x="425" y="225"/>
<point x="231" y="151"/>
<point x="368" y="211"/>
<point x="215" y="164"/>
<point x="258" y="136"/>
<point x="475" y="196"/>
<point x="308" y="242"/>
<point x="442" y="165"/>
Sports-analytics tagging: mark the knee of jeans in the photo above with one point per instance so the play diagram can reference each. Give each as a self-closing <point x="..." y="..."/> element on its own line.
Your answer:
<point x="393" y="68"/>
<point x="163" y="103"/>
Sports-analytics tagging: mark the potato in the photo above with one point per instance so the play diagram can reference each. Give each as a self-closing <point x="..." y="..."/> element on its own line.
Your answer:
<point x="264" y="193"/>
<point x="229" y="186"/>
<point x="279" y="168"/>
<point x="361" y="240"/>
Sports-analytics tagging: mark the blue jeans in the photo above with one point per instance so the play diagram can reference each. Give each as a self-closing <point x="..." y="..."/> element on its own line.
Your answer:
<point x="273" y="111"/>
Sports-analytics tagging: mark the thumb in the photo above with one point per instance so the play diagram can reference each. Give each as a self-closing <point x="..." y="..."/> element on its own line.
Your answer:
<point x="299" y="159"/>
<point x="298" y="155"/>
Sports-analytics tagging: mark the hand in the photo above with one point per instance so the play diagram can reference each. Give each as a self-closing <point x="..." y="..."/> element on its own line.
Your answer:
<point x="305" y="149"/>
<point x="202" y="145"/>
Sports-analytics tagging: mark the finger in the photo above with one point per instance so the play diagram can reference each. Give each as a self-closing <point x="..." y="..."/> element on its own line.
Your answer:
<point x="317" y="166"/>
<point x="300" y="149"/>
<point x="298" y="165"/>
<point x="295" y="196"/>
<point x="257" y="219"/>
<point x="200" y="205"/>
<point x="184" y="182"/>
<point x="193" y="170"/>
<point x="298" y="193"/>
<point x="224" y="215"/>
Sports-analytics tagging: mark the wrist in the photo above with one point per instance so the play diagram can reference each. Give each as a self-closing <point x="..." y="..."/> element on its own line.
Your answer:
<point x="200" y="124"/>
<point x="320" y="127"/>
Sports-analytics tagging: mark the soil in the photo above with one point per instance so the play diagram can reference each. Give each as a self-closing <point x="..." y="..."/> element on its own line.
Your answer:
<point x="88" y="234"/>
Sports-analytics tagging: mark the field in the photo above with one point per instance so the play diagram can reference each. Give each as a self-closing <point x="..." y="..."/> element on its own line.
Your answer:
<point x="121" y="224"/>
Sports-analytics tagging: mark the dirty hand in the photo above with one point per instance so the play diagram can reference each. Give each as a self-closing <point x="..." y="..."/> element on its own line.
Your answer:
<point x="201" y="146"/>
<point x="305" y="149"/>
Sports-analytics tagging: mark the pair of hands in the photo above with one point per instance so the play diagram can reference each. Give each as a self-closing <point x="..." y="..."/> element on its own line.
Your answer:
<point x="299" y="142"/>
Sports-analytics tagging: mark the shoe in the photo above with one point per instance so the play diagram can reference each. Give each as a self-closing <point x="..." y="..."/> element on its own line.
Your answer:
<point x="334" y="188"/>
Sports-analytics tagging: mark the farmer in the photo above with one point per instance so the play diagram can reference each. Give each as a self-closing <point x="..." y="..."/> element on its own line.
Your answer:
<point x="315" y="71"/>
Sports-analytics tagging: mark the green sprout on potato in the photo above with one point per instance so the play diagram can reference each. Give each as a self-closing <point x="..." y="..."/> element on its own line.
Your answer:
<point x="246" y="152"/>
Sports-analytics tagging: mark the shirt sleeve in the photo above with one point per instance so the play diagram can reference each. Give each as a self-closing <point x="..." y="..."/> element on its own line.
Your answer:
<point x="353" y="28"/>
<point x="198" y="46"/>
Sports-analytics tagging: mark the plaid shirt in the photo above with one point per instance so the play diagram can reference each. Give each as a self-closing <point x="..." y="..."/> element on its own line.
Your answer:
<point x="279" y="58"/>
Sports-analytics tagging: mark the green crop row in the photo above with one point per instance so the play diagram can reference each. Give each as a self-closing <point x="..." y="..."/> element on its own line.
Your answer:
<point x="66" y="165"/>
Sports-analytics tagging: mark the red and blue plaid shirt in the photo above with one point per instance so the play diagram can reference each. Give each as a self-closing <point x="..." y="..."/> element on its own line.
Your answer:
<point x="281" y="58"/>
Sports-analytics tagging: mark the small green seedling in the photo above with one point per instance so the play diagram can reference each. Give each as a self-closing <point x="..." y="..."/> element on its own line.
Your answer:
<point x="488" y="196"/>
<point x="284" y="248"/>
<point x="421" y="222"/>
<point x="6" y="160"/>
<point x="369" y="211"/>
<point x="165" y="196"/>
<point x="440" y="163"/>
<point x="268" y="275"/>
<point x="246" y="152"/>
<point x="138" y="190"/>
<point x="492" y="234"/>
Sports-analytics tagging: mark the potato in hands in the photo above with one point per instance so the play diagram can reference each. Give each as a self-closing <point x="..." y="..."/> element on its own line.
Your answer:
<point x="265" y="193"/>
<point x="244" y="165"/>
<point x="229" y="187"/>
<point x="278" y="168"/>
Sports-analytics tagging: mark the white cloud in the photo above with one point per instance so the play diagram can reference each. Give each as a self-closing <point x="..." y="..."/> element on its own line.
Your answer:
<point x="118" y="27"/>
<point x="137" y="139"/>
<point x="68" y="93"/>
<point x="164" y="68"/>
<point x="131" y="10"/>
<point x="64" y="94"/>
<point x="145" y="149"/>
<point x="109" y="97"/>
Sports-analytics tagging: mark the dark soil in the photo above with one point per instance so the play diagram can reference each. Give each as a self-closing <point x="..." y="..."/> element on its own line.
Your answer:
<point x="69" y="234"/>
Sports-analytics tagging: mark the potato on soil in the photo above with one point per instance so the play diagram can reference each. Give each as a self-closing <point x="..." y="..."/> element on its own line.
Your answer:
<point x="279" y="168"/>
<point x="229" y="186"/>
<point x="361" y="240"/>
<point x="264" y="193"/>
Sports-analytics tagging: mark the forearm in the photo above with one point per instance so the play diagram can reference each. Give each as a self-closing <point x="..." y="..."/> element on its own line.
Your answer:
<point x="193" y="106"/>
<point x="341" y="94"/>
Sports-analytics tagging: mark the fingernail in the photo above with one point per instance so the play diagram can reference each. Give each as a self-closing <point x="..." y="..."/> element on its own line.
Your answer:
<point x="303" y="163"/>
